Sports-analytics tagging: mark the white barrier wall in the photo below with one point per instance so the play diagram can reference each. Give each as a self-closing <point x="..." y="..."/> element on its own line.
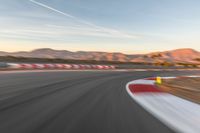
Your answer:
<point x="57" y="66"/>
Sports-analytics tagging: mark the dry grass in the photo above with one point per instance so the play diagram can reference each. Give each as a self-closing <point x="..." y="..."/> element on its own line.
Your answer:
<point x="188" y="88"/>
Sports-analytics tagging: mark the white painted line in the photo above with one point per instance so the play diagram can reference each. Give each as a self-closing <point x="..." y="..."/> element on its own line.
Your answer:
<point x="143" y="81"/>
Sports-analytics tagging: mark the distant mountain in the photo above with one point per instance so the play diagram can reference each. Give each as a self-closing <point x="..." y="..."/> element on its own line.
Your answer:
<point x="178" y="55"/>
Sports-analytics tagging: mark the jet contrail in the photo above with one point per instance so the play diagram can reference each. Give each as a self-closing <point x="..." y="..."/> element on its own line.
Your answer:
<point x="53" y="9"/>
<point x="63" y="13"/>
<point x="103" y="29"/>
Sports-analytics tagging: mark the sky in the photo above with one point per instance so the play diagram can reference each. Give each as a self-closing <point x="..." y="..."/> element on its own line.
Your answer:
<point x="128" y="26"/>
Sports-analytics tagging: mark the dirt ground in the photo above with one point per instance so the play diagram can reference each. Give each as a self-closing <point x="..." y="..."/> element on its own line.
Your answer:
<point x="188" y="88"/>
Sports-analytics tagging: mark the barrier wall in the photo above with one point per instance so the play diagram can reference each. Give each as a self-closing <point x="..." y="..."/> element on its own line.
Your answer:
<point x="56" y="66"/>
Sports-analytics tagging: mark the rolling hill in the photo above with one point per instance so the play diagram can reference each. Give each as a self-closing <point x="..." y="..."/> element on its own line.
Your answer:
<point x="178" y="55"/>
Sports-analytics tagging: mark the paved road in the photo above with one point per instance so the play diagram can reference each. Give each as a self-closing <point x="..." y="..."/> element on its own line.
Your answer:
<point x="74" y="102"/>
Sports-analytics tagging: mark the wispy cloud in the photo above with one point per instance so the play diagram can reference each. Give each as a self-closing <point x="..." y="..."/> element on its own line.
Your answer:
<point x="53" y="32"/>
<point x="95" y="28"/>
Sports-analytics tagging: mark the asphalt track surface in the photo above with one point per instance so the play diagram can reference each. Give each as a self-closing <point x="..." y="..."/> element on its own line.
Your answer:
<point x="74" y="102"/>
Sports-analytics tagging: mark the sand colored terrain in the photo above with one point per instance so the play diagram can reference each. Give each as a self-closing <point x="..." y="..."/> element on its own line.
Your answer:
<point x="171" y="56"/>
<point x="188" y="88"/>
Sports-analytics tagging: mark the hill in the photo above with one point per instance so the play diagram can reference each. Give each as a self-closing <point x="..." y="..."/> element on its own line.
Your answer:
<point x="173" y="56"/>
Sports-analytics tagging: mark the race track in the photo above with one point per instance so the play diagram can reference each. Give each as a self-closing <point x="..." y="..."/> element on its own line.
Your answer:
<point x="74" y="102"/>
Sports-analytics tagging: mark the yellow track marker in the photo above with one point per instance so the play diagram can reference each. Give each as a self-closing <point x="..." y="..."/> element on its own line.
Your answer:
<point x="158" y="80"/>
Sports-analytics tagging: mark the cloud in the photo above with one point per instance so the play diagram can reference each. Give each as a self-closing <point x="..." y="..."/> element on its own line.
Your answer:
<point x="53" y="32"/>
<point x="102" y="30"/>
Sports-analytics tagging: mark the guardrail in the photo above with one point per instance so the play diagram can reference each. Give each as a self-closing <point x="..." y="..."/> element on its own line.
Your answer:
<point x="53" y="66"/>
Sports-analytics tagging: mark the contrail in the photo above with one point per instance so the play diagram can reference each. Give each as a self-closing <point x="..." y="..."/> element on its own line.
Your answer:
<point x="53" y="9"/>
<point x="63" y="13"/>
<point x="103" y="29"/>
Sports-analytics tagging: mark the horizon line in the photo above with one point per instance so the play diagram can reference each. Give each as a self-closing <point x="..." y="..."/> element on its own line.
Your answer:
<point x="126" y="53"/>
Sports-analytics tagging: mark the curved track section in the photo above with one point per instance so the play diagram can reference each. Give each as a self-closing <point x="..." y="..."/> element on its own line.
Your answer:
<point x="74" y="102"/>
<point x="179" y="114"/>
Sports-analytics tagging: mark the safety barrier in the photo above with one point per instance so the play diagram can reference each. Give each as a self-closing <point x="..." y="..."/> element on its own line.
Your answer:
<point x="56" y="66"/>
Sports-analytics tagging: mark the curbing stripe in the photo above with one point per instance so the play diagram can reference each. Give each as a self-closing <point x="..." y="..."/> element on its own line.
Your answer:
<point x="177" y="113"/>
<point x="141" y="88"/>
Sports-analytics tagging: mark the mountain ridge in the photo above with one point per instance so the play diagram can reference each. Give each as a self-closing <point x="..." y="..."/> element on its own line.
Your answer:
<point x="177" y="55"/>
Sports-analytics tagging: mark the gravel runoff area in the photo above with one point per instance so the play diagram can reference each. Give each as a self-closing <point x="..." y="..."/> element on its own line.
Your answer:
<point x="185" y="87"/>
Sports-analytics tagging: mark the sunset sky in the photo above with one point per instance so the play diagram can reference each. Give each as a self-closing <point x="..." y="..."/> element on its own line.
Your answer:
<point x="128" y="26"/>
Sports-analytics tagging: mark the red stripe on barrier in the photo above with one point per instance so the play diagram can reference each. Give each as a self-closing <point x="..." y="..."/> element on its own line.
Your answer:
<point x="63" y="66"/>
<point x="22" y="65"/>
<point x="82" y="66"/>
<point x="59" y="66"/>
<point x="140" y="88"/>
<point x="46" y="66"/>
<point x="27" y="66"/>
<point x="34" y="66"/>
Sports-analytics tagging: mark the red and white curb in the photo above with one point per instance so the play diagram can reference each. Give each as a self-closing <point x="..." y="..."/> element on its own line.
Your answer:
<point x="58" y="66"/>
<point x="179" y="114"/>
